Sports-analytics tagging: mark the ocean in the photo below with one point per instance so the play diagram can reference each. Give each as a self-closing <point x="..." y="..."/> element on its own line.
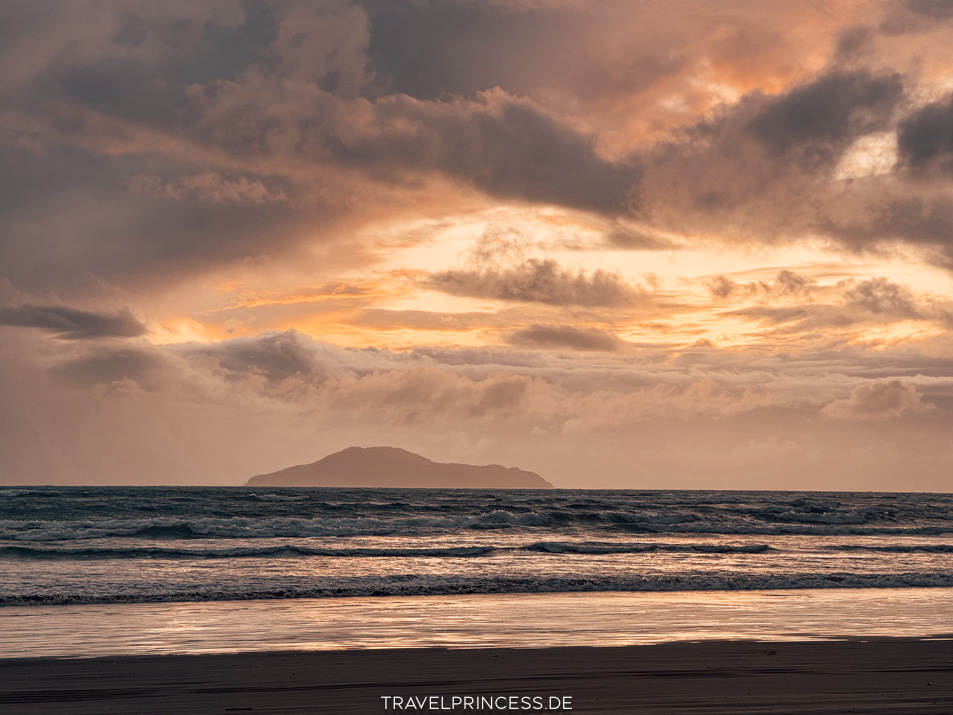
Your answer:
<point x="108" y="545"/>
<point x="102" y="571"/>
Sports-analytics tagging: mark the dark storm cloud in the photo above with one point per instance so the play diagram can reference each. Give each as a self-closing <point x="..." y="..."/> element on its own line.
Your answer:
<point x="91" y="106"/>
<point x="815" y="123"/>
<point x="925" y="139"/>
<point x="111" y="220"/>
<point x="143" y="238"/>
<point x="136" y="61"/>
<point x="934" y="9"/>
<point x="812" y="124"/>
<point x="72" y="324"/>
<point x="852" y="40"/>
<point x="511" y="150"/>
<point x="504" y="146"/>
<point x="307" y="112"/>
<point x="767" y="169"/>
<point x="106" y="124"/>
<point x="914" y="16"/>
<point x="427" y="50"/>
<point x="81" y="138"/>
<point x="536" y="280"/>
<point x="520" y="152"/>
<point x="565" y="336"/>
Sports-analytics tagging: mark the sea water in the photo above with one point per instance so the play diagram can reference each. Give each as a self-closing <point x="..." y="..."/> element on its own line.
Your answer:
<point x="108" y="571"/>
<point x="76" y="545"/>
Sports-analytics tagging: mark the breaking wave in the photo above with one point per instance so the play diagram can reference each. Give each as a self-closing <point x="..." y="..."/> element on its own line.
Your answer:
<point x="286" y="550"/>
<point x="896" y="548"/>
<point x="244" y="527"/>
<point x="433" y="586"/>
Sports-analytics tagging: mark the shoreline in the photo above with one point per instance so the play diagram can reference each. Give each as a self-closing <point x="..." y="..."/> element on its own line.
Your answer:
<point x="857" y="675"/>
<point x="577" y="619"/>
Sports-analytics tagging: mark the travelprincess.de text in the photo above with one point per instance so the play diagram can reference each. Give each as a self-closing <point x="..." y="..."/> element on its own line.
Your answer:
<point x="478" y="702"/>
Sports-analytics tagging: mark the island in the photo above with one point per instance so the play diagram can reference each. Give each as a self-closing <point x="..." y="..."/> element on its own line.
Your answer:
<point x="394" y="467"/>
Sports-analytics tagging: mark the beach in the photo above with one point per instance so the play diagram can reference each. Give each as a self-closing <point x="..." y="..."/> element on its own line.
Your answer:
<point x="852" y="676"/>
<point x="801" y="651"/>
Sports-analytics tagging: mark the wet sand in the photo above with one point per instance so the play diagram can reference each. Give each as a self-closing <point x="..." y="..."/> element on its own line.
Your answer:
<point x="890" y="675"/>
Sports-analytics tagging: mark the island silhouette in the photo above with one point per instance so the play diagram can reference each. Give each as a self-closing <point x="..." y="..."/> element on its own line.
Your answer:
<point x="395" y="467"/>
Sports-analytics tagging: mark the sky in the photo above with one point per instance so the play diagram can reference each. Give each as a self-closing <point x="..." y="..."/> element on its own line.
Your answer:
<point x="624" y="244"/>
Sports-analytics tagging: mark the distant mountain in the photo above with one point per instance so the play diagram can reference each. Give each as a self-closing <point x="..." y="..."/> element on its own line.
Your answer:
<point x="393" y="467"/>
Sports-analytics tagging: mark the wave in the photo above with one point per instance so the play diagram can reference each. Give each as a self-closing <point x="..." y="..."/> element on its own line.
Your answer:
<point x="251" y="527"/>
<point x="433" y="586"/>
<point x="837" y="517"/>
<point x="244" y="527"/>
<point x="46" y="553"/>
<point x="558" y="547"/>
<point x="5" y="493"/>
<point x="896" y="548"/>
<point x="53" y="553"/>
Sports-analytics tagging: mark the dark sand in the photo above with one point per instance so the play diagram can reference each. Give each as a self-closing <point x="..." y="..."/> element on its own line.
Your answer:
<point x="883" y="676"/>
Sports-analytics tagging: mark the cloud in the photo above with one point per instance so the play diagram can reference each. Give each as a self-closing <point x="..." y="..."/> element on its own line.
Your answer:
<point x="878" y="400"/>
<point x="503" y="145"/>
<point x="925" y="139"/>
<point x="765" y="167"/>
<point x="252" y="404"/>
<point x="934" y="9"/>
<point x="145" y="368"/>
<point x="924" y="220"/>
<point x="209" y="186"/>
<point x="815" y="123"/>
<point x="631" y="239"/>
<point x="230" y="164"/>
<point x="238" y="128"/>
<point x="384" y="319"/>
<point x="844" y="308"/>
<point x="880" y="296"/>
<point x="71" y="219"/>
<point x="589" y="386"/>
<point x="172" y="139"/>
<point x="565" y="336"/>
<point x="72" y="324"/>
<point x="538" y="280"/>
<point x="778" y="315"/>
<point x="421" y="395"/>
<point x="722" y="287"/>
<point x="787" y="283"/>
<point x="274" y="356"/>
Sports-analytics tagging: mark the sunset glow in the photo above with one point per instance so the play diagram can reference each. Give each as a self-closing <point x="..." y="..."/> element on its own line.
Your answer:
<point x="621" y="244"/>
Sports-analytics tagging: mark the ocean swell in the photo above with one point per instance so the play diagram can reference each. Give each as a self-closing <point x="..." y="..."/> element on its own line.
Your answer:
<point x="431" y="586"/>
